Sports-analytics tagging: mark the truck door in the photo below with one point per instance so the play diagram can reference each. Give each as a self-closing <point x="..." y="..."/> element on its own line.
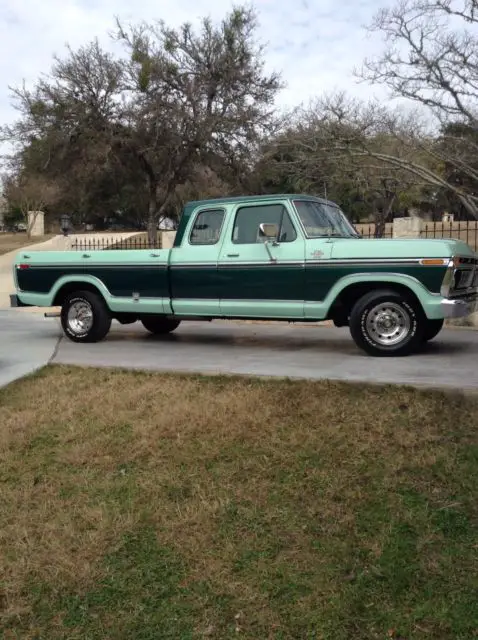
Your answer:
<point x="259" y="279"/>
<point x="193" y="265"/>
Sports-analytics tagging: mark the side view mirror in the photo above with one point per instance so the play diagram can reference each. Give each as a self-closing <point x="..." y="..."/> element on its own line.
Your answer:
<point x="269" y="231"/>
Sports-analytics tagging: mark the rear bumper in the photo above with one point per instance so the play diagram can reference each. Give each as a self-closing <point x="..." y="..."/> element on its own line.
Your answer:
<point x="16" y="302"/>
<point x="459" y="307"/>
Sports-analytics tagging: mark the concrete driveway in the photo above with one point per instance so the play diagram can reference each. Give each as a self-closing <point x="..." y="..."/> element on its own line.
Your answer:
<point x="27" y="339"/>
<point x="27" y="342"/>
<point x="449" y="361"/>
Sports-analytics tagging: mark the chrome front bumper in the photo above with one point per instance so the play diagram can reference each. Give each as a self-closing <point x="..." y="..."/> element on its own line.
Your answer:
<point x="459" y="307"/>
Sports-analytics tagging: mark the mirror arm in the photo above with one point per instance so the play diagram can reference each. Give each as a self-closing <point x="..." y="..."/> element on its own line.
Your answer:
<point x="279" y="230"/>
<point x="266" y="244"/>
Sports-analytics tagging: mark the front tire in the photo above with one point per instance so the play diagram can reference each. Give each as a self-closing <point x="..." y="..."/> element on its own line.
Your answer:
<point x="387" y="323"/>
<point x="85" y="317"/>
<point x="159" y="325"/>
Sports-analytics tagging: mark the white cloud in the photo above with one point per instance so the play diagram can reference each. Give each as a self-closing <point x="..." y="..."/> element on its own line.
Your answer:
<point x="314" y="43"/>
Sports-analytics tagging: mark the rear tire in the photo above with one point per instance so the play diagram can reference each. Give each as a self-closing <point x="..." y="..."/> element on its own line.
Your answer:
<point x="432" y="329"/>
<point x="159" y="325"/>
<point x="85" y="317"/>
<point x="387" y="323"/>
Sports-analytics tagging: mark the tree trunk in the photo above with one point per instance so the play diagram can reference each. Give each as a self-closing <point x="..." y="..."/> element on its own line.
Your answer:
<point x="30" y="223"/>
<point x="382" y="216"/>
<point x="379" y="225"/>
<point x="152" y="215"/>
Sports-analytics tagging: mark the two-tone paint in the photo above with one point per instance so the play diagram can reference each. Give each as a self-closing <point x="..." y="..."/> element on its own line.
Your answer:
<point x="299" y="279"/>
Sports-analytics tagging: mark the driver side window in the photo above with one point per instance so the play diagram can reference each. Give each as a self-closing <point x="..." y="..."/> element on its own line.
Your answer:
<point x="248" y="219"/>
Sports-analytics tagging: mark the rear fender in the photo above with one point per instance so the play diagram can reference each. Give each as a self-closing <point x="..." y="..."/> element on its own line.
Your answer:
<point x="80" y="279"/>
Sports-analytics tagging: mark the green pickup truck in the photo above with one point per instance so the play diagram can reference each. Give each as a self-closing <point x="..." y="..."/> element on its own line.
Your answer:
<point x="288" y="257"/>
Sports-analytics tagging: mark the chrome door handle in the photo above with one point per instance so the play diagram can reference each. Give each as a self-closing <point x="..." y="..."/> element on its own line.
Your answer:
<point x="154" y="255"/>
<point x="86" y="255"/>
<point x="233" y="255"/>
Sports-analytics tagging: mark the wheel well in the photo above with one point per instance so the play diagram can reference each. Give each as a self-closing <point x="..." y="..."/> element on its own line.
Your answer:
<point x="70" y="287"/>
<point x="342" y="305"/>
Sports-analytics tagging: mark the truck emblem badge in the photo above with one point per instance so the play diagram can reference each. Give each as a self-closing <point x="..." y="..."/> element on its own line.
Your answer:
<point x="317" y="254"/>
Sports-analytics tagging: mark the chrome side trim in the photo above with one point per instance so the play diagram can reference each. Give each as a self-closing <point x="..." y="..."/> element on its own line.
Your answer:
<point x="80" y="265"/>
<point x="227" y="263"/>
<point x="364" y="261"/>
<point x="277" y="263"/>
<point x="242" y="300"/>
<point x="330" y="262"/>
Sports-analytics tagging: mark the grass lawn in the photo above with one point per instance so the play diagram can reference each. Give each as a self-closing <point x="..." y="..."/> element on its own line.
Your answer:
<point x="13" y="241"/>
<point x="140" y="506"/>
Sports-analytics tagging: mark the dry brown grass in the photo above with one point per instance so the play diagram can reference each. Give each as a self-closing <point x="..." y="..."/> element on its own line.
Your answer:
<point x="138" y="505"/>
<point x="12" y="241"/>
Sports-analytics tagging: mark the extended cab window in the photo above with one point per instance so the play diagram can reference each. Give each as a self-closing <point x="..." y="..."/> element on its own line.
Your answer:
<point x="248" y="220"/>
<point x="207" y="227"/>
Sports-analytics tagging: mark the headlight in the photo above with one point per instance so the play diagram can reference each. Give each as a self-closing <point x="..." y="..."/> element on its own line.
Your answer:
<point x="463" y="278"/>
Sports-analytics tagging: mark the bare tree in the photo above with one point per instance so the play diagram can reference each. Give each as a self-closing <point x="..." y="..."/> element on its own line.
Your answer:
<point x="354" y="146"/>
<point x="427" y="58"/>
<point x="30" y="195"/>
<point x="430" y="58"/>
<point x="391" y="143"/>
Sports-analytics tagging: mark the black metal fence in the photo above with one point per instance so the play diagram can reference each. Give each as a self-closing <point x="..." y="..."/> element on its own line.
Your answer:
<point x="368" y="230"/>
<point x="466" y="231"/>
<point x="105" y="243"/>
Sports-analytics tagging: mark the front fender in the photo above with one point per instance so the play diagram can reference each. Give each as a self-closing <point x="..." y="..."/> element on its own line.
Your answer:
<point x="428" y="300"/>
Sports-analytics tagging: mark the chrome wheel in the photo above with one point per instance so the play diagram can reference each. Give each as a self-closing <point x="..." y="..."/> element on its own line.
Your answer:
<point x="388" y="323"/>
<point x="80" y="317"/>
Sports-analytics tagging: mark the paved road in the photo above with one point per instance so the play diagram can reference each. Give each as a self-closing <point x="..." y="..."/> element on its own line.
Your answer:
<point x="29" y="340"/>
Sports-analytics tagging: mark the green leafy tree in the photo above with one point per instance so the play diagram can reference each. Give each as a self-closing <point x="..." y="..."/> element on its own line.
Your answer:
<point x="178" y="99"/>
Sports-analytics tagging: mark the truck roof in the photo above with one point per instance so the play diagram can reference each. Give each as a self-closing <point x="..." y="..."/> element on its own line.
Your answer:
<point x="190" y="206"/>
<point x="257" y="198"/>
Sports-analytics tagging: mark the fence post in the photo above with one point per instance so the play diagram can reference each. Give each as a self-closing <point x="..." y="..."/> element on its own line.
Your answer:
<point x="36" y="223"/>
<point x="407" y="227"/>
<point x="167" y="239"/>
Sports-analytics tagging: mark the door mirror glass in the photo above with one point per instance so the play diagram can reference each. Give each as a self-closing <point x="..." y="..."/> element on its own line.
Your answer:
<point x="268" y="231"/>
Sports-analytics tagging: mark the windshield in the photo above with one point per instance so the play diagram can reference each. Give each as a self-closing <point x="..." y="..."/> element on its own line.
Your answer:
<point x="320" y="219"/>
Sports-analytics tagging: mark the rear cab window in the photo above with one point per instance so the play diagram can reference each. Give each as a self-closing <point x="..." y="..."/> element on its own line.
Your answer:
<point x="207" y="227"/>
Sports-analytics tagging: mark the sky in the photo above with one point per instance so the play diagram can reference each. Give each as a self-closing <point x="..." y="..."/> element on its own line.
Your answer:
<point x="315" y="44"/>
